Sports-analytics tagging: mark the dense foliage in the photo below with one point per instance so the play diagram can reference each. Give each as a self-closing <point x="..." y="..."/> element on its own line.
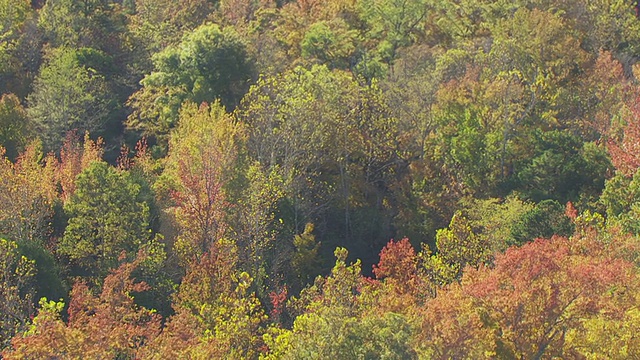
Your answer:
<point x="224" y="179"/>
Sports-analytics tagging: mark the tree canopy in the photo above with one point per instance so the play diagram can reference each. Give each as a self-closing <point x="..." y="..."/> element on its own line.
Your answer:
<point x="269" y="179"/>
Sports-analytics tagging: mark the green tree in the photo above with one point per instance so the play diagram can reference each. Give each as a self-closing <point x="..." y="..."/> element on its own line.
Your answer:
<point x="16" y="291"/>
<point x="611" y="337"/>
<point x="606" y="24"/>
<point x="87" y="23"/>
<point x="257" y="225"/>
<point x="339" y="322"/>
<point x="157" y="24"/>
<point x="16" y="36"/>
<point x="209" y="64"/>
<point x="333" y="143"/>
<point x="520" y="80"/>
<point x="15" y="128"/>
<point x="316" y="336"/>
<point x="70" y="94"/>
<point x="494" y="218"/>
<point x="621" y="198"/>
<point x="305" y="260"/>
<point x="561" y="167"/>
<point x="546" y="219"/>
<point x="108" y="214"/>
<point x="458" y="246"/>
<point x="29" y="192"/>
<point x="13" y="14"/>
<point x="396" y="23"/>
<point x="331" y="43"/>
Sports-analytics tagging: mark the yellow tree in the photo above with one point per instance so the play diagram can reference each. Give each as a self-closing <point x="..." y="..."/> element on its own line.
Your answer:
<point x="340" y="319"/>
<point x="216" y="315"/>
<point x="28" y="191"/>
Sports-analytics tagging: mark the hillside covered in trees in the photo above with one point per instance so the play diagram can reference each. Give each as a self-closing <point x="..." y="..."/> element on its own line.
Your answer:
<point x="319" y="179"/>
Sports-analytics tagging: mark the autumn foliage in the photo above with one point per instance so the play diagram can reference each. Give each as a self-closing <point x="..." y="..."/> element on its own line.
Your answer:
<point x="110" y="324"/>
<point x="200" y="179"/>
<point x="624" y="152"/>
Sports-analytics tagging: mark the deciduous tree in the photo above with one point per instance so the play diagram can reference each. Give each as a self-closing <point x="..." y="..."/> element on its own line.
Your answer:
<point x="530" y="302"/>
<point x="69" y="95"/>
<point x="28" y="190"/>
<point x="108" y="214"/>
<point x="217" y="316"/>
<point x="16" y="130"/>
<point x="335" y="322"/>
<point x="200" y="165"/>
<point x="209" y="64"/>
<point x="110" y="324"/>
<point x="16" y="291"/>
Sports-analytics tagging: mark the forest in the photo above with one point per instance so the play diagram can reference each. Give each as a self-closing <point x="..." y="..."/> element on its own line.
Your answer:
<point x="319" y="179"/>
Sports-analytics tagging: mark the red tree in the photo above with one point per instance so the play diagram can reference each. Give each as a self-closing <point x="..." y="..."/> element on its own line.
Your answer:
<point x="107" y="326"/>
<point x="625" y="152"/>
<point x="527" y="304"/>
